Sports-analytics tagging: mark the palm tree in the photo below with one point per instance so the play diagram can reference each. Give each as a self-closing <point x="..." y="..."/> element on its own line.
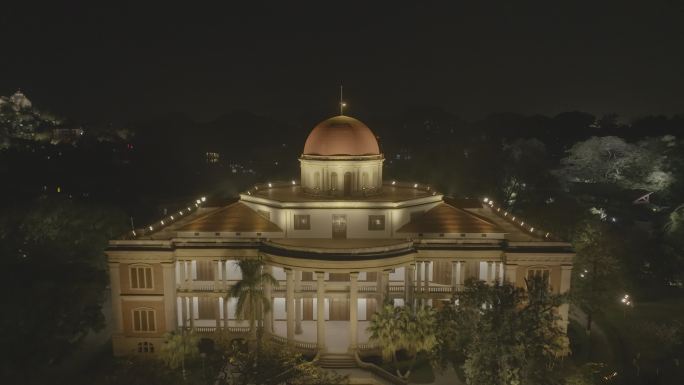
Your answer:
<point x="249" y="291"/>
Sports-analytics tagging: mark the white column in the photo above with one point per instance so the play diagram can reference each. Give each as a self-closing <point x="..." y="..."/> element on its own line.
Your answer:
<point x="217" y="313"/>
<point x="353" y="308"/>
<point x="289" y="304"/>
<point x="320" y="309"/>
<point x="459" y="273"/>
<point x="410" y="293"/>
<point x="490" y="272"/>
<point x="419" y="276"/>
<point x="268" y="317"/>
<point x="115" y="284"/>
<point x="298" y="302"/>
<point x="191" y="311"/>
<point x="170" y="312"/>
<point x="216" y="274"/>
<point x="566" y="274"/>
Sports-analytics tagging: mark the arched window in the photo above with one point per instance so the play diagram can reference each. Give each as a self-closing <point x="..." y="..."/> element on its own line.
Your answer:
<point x="145" y="347"/>
<point x="144" y="320"/>
<point x="141" y="277"/>
<point x="364" y="180"/>
<point x="333" y="181"/>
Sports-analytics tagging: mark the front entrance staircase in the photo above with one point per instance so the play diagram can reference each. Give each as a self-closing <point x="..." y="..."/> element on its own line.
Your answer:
<point x="337" y="361"/>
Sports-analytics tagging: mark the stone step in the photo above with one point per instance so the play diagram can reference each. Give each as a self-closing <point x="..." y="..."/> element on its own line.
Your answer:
<point x="337" y="361"/>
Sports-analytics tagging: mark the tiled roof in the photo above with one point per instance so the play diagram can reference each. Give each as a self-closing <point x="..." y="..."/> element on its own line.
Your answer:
<point x="446" y="219"/>
<point x="236" y="217"/>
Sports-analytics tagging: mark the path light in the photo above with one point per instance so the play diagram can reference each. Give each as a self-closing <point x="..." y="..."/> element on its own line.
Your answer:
<point x="626" y="302"/>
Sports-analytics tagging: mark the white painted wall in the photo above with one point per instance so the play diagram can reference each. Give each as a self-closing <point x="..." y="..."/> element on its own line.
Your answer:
<point x="398" y="274"/>
<point x="279" y="309"/>
<point x="233" y="270"/>
<point x="279" y="273"/>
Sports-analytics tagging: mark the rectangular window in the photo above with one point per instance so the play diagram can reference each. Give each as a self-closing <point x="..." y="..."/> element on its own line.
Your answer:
<point x="141" y="277"/>
<point x="302" y="222"/>
<point x="376" y="222"/>
<point x="144" y="320"/>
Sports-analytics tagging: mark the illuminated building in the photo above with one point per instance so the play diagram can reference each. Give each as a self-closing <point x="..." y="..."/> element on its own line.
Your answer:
<point x="340" y="241"/>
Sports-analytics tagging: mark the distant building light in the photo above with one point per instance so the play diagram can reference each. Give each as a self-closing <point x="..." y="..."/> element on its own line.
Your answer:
<point x="293" y="182"/>
<point x="151" y="228"/>
<point x="204" y="199"/>
<point x="172" y="218"/>
<point x="198" y="201"/>
<point x="270" y="185"/>
<point x="531" y="229"/>
<point x="394" y="182"/>
<point x="180" y="213"/>
<point x="486" y="200"/>
<point x="162" y="222"/>
<point x="415" y="185"/>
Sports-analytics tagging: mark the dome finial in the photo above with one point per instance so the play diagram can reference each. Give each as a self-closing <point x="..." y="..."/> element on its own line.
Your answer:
<point x="342" y="103"/>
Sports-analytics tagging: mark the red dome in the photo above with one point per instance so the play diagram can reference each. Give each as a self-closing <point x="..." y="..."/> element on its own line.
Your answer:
<point x="341" y="135"/>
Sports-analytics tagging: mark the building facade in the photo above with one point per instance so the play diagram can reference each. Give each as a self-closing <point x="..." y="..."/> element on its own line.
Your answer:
<point x="340" y="241"/>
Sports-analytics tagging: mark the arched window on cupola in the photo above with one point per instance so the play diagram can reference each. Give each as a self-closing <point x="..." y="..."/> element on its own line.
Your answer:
<point x="317" y="180"/>
<point x="364" y="180"/>
<point x="333" y="181"/>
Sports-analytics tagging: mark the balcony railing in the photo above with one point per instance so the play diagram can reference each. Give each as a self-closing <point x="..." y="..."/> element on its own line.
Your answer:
<point x="210" y="286"/>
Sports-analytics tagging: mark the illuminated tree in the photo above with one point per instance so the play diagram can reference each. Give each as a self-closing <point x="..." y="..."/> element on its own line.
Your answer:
<point x="508" y="335"/>
<point x="249" y="291"/>
<point x="399" y="328"/>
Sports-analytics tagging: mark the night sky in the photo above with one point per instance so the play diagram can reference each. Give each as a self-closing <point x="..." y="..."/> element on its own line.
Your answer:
<point x="95" y="62"/>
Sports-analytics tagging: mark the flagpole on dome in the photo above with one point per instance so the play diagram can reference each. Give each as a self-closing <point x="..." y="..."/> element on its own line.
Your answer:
<point x="342" y="103"/>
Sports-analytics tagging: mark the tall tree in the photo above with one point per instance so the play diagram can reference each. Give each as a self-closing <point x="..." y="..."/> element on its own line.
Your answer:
<point x="249" y="291"/>
<point x="53" y="250"/>
<point x="399" y="328"/>
<point x="595" y="274"/>
<point x="510" y="335"/>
